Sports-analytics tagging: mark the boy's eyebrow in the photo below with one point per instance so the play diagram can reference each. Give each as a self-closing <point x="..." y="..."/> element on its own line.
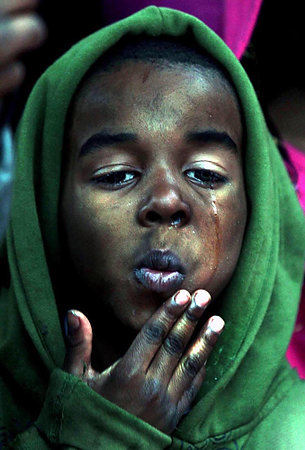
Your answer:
<point x="104" y="139"/>
<point x="217" y="137"/>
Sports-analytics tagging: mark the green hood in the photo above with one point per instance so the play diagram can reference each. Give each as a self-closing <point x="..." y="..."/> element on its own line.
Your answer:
<point x="247" y="373"/>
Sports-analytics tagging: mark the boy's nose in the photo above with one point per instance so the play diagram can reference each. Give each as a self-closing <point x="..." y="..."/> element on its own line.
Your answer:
<point x="164" y="206"/>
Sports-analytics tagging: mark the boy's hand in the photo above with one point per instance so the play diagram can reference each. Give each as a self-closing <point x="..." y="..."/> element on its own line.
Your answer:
<point x="20" y="30"/>
<point x="158" y="378"/>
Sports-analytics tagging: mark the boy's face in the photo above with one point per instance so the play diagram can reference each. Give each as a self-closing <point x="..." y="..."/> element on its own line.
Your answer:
<point x="162" y="172"/>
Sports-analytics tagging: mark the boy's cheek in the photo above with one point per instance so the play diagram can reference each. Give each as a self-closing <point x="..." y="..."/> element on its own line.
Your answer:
<point x="232" y="215"/>
<point x="90" y="235"/>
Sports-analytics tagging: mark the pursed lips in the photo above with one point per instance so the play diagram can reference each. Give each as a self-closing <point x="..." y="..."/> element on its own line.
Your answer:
<point x="160" y="271"/>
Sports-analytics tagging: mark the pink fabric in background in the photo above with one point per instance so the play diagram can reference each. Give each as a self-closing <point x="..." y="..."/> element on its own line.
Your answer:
<point x="233" y="21"/>
<point x="210" y="12"/>
<point x="240" y="20"/>
<point x="298" y="160"/>
<point x="296" y="350"/>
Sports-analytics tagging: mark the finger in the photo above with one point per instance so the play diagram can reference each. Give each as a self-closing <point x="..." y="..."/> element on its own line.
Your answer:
<point x="78" y="343"/>
<point x="20" y="34"/>
<point x="147" y="342"/>
<point x="195" y="358"/>
<point x="169" y="354"/>
<point x="14" y="6"/>
<point x="189" y="394"/>
<point x="11" y="77"/>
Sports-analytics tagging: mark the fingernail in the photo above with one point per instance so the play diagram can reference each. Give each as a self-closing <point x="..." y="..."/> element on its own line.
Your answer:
<point x="202" y="298"/>
<point x="216" y="324"/>
<point x="71" y="322"/>
<point x="182" y="297"/>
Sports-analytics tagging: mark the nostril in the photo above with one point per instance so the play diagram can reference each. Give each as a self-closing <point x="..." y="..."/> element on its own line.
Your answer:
<point x="153" y="217"/>
<point x="178" y="218"/>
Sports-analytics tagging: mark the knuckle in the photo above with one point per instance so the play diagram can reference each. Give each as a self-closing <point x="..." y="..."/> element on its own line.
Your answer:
<point x="119" y="379"/>
<point x="152" y="390"/>
<point x="11" y="76"/>
<point x="170" y="311"/>
<point x="191" y="393"/>
<point x="74" y="342"/>
<point x="210" y="339"/>
<point x="191" y="316"/>
<point x="32" y="31"/>
<point x="124" y="374"/>
<point x="173" y="344"/>
<point x="129" y="377"/>
<point x="22" y="33"/>
<point x="154" y="333"/>
<point x="192" y="365"/>
<point x="37" y="28"/>
<point x="173" y="422"/>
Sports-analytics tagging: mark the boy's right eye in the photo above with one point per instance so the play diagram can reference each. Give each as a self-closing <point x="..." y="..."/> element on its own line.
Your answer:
<point x="117" y="179"/>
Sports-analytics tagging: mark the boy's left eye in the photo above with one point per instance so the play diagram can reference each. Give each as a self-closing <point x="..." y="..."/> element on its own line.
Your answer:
<point x="205" y="177"/>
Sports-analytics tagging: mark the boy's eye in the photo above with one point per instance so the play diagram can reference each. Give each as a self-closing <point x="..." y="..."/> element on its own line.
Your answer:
<point x="120" y="178"/>
<point x="206" y="178"/>
<point x="115" y="180"/>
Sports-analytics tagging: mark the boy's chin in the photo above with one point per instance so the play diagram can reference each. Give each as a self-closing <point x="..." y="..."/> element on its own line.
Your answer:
<point x="137" y="318"/>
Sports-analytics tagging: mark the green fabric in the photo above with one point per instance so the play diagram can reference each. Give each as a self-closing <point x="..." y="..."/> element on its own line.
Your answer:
<point x="249" y="389"/>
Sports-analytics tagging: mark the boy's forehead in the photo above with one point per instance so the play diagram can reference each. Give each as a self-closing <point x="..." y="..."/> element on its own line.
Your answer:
<point x="107" y="86"/>
<point x="155" y="95"/>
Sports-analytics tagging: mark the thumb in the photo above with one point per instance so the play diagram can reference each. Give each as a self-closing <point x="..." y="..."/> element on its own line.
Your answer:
<point x="78" y="332"/>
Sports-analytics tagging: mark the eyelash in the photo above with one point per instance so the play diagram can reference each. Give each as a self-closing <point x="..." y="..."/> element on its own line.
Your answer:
<point x="113" y="178"/>
<point x="116" y="179"/>
<point x="210" y="178"/>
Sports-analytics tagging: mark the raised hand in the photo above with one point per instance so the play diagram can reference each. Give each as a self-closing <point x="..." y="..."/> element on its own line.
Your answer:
<point x="21" y="29"/>
<point x="160" y="374"/>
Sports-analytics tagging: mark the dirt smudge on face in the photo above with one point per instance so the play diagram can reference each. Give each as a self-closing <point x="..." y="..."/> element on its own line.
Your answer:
<point x="146" y="75"/>
<point x="215" y="217"/>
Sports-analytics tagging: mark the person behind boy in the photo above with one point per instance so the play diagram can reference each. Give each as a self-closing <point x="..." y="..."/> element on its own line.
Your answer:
<point x="147" y="184"/>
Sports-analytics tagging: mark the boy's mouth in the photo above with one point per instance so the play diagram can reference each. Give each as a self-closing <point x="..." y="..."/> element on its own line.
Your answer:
<point x="160" y="271"/>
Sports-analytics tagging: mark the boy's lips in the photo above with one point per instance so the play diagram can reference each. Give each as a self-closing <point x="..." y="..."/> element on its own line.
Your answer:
<point x="160" y="271"/>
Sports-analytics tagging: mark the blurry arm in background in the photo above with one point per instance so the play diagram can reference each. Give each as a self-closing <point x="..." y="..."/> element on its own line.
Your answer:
<point x="21" y="30"/>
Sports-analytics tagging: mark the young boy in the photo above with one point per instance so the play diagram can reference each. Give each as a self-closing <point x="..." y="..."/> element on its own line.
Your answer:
<point x="147" y="188"/>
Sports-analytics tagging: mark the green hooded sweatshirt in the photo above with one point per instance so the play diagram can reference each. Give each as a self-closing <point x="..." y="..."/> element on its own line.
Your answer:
<point x="250" y="398"/>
